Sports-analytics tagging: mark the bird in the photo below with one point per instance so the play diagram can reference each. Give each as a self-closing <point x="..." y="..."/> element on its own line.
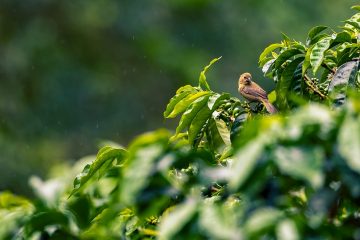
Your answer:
<point x="253" y="92"/>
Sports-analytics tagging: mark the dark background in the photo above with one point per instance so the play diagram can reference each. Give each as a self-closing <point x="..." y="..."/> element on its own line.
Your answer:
<point x="74" y="73"/>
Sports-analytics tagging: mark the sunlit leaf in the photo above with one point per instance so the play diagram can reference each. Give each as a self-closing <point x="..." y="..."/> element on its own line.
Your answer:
<point x="349" y="141"/>
<point x="267" y="66"/>
<point x="204" y="114"/>
<point x="202" y="79"/>
<point x="219" y="222"/>
<point x="313" y="33"/>
<point x="317" y="53"/>
<point x="262" y="219"/>
<point x="356" y="7"/>
<point x="180" y="94"/>
<point x="245" y="161"/>
<point x="105" y="156"/>
<point x="268" y="50"/>
<point x="185" y="102"/>
<point x="143" y="153"/>
<point x="191" y="112"/>
<point x="286" y="230"/>
<point x="304" y="163"/>
<point x="173" y="222"/>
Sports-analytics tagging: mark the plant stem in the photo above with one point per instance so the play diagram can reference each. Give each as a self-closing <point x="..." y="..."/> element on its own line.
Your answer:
<point x="311" y="84"/>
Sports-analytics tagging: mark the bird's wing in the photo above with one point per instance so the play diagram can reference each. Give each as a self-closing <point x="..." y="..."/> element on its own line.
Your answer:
<point x="255" y="91"/>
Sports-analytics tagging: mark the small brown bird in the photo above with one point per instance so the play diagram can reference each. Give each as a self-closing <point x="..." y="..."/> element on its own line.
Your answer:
<point x="253" y="92"/>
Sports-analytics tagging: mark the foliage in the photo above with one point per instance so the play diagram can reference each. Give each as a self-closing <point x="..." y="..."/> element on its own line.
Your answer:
<point x="319" y="70"/>
<point x="70" y="70"/>
<point x="229" y="171"/>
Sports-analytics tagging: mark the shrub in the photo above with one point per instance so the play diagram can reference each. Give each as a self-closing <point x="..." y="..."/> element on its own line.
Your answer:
<point x="229" y="171"/>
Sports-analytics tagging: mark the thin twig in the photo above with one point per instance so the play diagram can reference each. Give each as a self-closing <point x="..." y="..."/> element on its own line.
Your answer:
<point x="311" y="84"/>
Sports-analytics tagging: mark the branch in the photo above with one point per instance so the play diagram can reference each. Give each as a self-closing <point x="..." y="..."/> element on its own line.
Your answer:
<point x="311" y="84"/>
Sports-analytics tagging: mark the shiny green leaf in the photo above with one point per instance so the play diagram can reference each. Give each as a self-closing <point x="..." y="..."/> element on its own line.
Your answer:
<point x="105" y="156"/>
<point x="318" y="52"/>
<point x="202" y="79"/>
<point x="287" y="77"/>
<point x="180" y="95"/>
<point x="314" y="32"/>
<point x="286" y="55"/>
<point x="185" y="102"/>
<point x="268" y="50"/>
<point x="344" y="76"/>
<point x="191" y="112"/>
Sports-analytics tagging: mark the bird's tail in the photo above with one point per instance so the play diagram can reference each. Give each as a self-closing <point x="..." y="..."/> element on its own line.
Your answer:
<point x="269" y="107"/>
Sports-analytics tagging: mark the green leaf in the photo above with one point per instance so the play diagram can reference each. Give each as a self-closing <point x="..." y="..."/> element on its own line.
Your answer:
<point x="268" y="66"/>
<point x="341" y="37"/>
<point x="284" y="84"/>
<point x="184" y="103"/>
<point x="204" y="114"/>
<point x="303" y="163"/>
<point x="186" y="88"/>
<point x="219" y="221"/>
<point x="39" y="221"/>
<point x="223" y="131"/>
<point x="356" y="7"/>
<point x="175" y="220"/>
<point x="314" y="32"/>
<point x="262" y="219"/>
<point x="202" y="79"/>
<point x="355" y="24"/>
<point x="265" y="61"/>
<point x="238" y="125"/>
<point x="268" y="50"/>
<point x="191" y="112"/>
<point x="143" y="153"/>
<point x="284" y="56"/>
<point x="219" y="135"/>
<point x="105" y="155"/>
<point x="286" y="230"/>
<point x="198" y="123"/>
<point x="297" y="82"/>
<point x="14" y="212"/>
<point x="317" y="53"/>
<point x="81" y="209"/>
<point x="349" y="141"/>
<point x="245" y="161"/>
<point x="345" y="75"/>
<point x="10" y="201"/>
<point x="216" y="99"/>
<point x="306" y="63"/>
<point x="175" y="100"/>
<point x="272" y="96"/>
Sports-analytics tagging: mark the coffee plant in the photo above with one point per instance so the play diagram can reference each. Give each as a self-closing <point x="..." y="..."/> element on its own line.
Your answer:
<point x="229" y="171"/>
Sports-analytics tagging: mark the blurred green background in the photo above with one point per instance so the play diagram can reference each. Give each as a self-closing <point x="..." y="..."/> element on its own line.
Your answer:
<point x="74" y="73"/>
